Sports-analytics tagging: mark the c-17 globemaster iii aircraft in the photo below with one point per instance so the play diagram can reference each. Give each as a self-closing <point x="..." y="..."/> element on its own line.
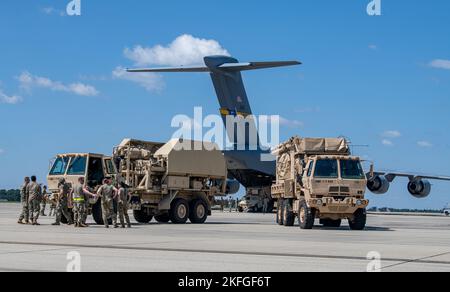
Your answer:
<point x="246" y="166"/>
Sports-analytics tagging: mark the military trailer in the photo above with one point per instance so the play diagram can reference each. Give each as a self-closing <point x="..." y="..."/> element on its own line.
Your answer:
<point x="93" y="167"/>
<point x="319" y="179"/>
<point x="170" y="182"/>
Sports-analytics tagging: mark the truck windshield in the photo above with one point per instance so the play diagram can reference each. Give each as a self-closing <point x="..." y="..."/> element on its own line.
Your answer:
<point x="351" y="169"/>
<point x="60" y="166"/>
<point x="326" y="168"/>
<point x="78" y="166"/>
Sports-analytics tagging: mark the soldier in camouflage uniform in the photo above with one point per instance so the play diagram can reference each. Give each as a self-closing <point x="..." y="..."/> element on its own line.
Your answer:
<point x="80" y="195"/>
<point x="24" y="200"/>
<point x="34" y="199"/>
<point x="52" y="203"/>
<point x="107" y="192"/>
<point x="122" y="205"/>
<point x="44" y="201"/>
<point x="62" y="205"/>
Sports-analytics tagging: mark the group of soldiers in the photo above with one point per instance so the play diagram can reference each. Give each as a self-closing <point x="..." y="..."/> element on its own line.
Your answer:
<point x="77" y="197"/>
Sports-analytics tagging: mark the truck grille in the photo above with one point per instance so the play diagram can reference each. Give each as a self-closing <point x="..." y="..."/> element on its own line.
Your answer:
<point x="337" y="191"/>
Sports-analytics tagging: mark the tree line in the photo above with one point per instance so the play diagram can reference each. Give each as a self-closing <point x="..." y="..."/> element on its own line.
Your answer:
<point x="10" y="195"/>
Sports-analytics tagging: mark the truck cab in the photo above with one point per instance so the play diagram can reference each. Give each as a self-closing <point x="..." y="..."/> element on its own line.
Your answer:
<point x="334" y="186"/>
<point x="93" y="167"/>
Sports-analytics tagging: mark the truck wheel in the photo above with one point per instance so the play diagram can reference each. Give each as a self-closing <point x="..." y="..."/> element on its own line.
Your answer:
<point x="306" y="216"/>
<point x="331" y="223"/>
<point x="288" y="215"/>
<point x="198" y="212"/>
<point x="97" y="213"/>
<point x="179" y="211"/>
<point x="162" y="218"/>
<point x="64" y="219"/>
<point x="359" y="220"/>
<point x="142" y="217"/>
<point x="280" y="212"/>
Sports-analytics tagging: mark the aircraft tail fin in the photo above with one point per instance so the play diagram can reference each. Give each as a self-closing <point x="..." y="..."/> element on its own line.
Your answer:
<point x="227" y="79"/>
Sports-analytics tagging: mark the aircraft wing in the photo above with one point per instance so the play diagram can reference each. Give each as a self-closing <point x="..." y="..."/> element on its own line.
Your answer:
<point x="390" y="176"/>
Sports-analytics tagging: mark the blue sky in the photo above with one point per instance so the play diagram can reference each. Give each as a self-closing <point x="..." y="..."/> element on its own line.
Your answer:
<point x="382" y="81"/>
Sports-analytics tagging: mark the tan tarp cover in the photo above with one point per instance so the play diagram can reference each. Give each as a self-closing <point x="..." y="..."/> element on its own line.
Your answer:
<point x="322" y="145"/>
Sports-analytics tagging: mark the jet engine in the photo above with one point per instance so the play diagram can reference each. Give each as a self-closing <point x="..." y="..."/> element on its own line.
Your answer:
<point x="233" y="187"/>
<point x="378" y="185"/>
<point x="419" y="188"/>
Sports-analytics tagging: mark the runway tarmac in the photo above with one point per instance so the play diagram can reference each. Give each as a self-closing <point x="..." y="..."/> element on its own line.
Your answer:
<point x="229" y="242"/>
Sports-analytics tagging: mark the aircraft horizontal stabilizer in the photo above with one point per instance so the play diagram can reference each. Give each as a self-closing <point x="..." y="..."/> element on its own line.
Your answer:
<point x="223" y="67"/>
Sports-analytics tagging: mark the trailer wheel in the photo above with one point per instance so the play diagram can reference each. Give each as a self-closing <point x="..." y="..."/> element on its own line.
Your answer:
<point x="162" y="218"/>
<point x="306" y="216"/>
<point x="331" y="223"/>
<point x="142" y="217"/>
<point x="179" y="211"/>
<point x="280" y="212"/>
<point x="198" y="211"/>
<point x="359" y="220"/>
<point x="288" y="214"/>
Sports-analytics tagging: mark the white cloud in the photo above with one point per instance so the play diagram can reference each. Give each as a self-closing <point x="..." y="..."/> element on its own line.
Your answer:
<point x="424" y="144"/>
<point x="2" y="151"/>
<point x="52" y="10"/>
<point x="373" y="47"/>
<point x="440" y="64"/>
<point x="9" y="99"/>
<point x="391" y="134"/>
<point x="387" y="142"/>
<point x="150" y="81"/>
<point x="184" y="50"/>
<point x="29" y="81"/>
<point x="291" y="123"/>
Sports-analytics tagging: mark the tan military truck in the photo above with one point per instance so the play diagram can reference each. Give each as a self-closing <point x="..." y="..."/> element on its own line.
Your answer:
<point x="319" y="179"/>
<point x="170" y="182"/>
<point x="93" y="167"/>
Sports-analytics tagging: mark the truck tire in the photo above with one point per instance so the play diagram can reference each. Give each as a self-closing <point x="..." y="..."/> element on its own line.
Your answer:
<point x="97" y="213"/>
<point x="162" y="218"/>
<point x="359" y="220"/>
<point x="288" y="214"/>
<point x="306" y="216"/>
<point x="179" y="211"/>
<point x="280" y="212"/>
<point x="64" y="219"/>
<point x="270" y="206"/>
<point x="142" y="217"/>
<point x="198" y="211"/>
<point x="331" y="223"/>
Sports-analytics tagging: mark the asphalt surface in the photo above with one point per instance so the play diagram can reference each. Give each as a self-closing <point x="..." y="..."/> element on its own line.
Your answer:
<point x="229" y="242"/>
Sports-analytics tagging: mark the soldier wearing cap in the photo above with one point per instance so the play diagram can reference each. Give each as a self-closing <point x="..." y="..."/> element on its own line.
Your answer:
<point x="62" y="203"/>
